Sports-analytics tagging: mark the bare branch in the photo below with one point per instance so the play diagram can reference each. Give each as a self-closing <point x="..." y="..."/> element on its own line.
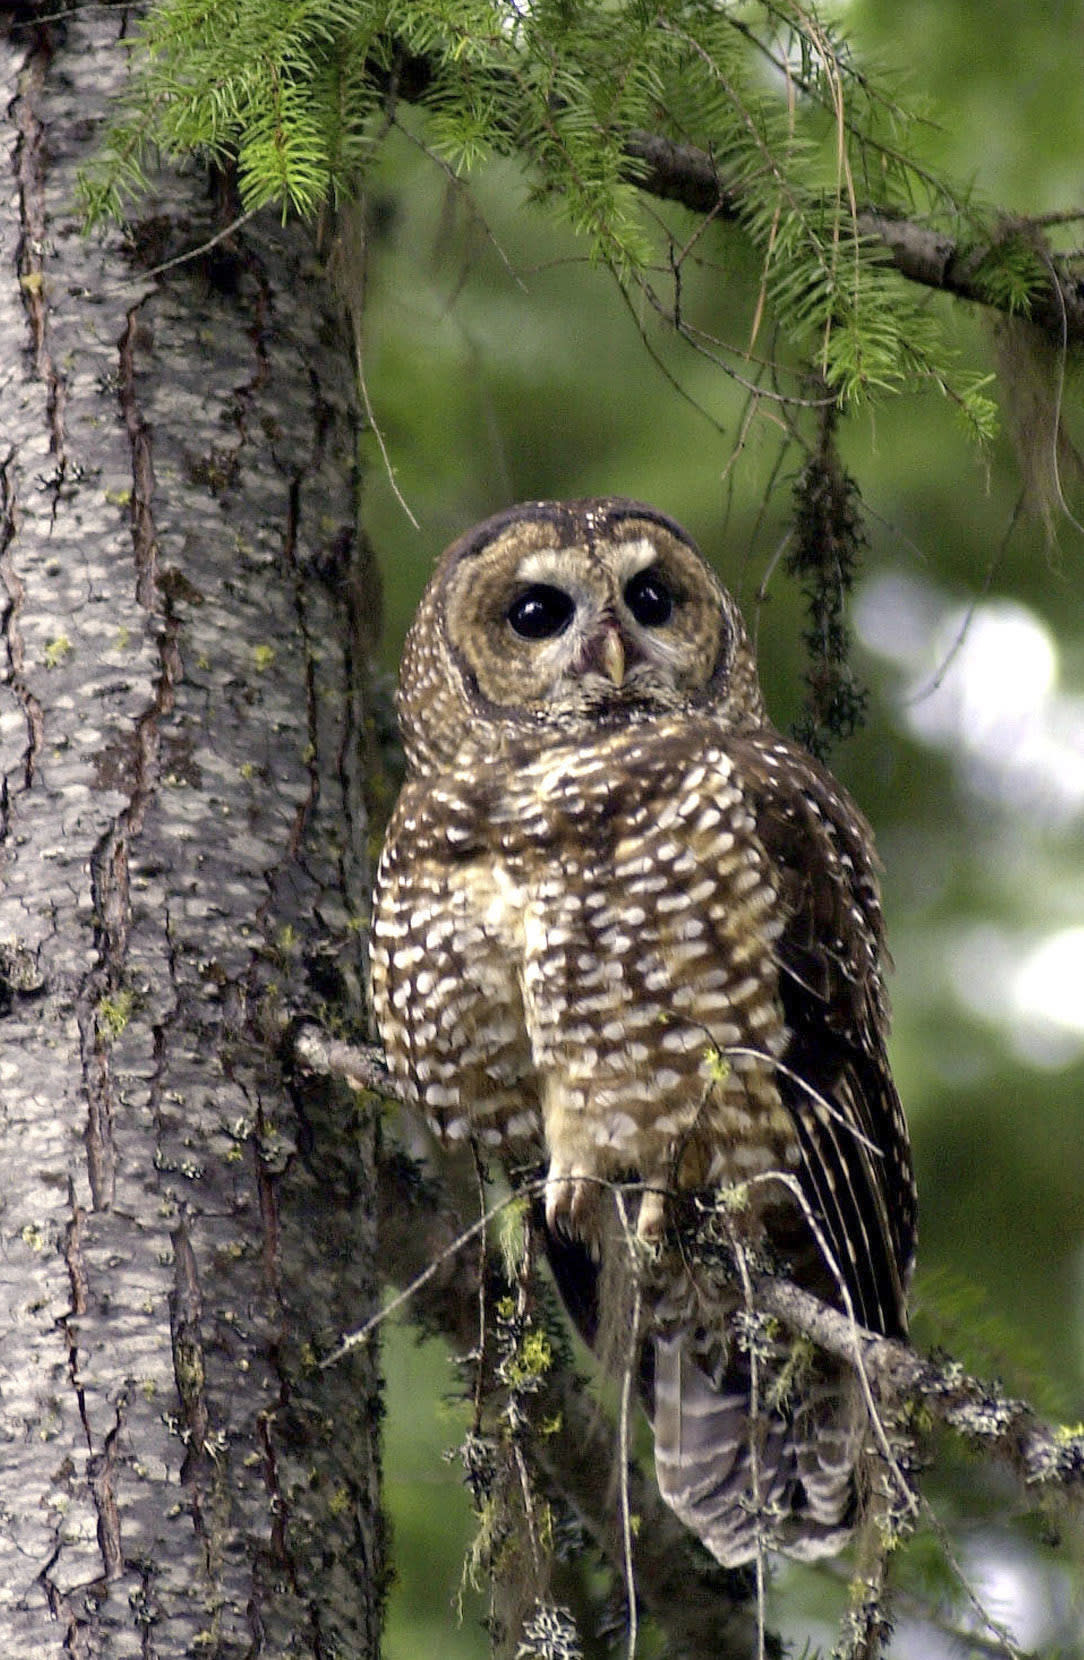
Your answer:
<point x="359" y="1065"/>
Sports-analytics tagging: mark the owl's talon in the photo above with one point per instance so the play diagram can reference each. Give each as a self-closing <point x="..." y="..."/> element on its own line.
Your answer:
<point x="651" y="1221"/>
<point x="571" y="1202"/>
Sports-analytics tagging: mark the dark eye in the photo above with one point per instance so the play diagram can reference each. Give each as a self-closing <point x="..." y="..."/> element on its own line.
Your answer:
<point x="649" y="599"/>
<point x="540" y="612"/>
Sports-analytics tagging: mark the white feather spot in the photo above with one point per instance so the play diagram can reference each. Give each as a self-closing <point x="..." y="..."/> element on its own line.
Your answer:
<point x="682" y="1039"/>
<point x="616" y="1129"/>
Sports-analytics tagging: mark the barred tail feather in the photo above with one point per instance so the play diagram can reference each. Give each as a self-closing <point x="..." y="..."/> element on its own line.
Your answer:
<point x="800" y="1497"/>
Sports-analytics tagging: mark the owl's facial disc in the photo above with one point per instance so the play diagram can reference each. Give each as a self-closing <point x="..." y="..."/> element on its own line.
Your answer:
<point x="628" y="625"/>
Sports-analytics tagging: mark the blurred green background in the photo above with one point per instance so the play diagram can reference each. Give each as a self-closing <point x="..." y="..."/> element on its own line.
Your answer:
<point x="502" y="366"/>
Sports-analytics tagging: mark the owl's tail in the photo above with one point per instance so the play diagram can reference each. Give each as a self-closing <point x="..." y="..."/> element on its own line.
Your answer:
<point x="786" y="1481"/>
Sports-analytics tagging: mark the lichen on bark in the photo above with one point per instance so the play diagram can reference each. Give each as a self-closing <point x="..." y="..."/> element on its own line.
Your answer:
<point x="186" y="1224"/>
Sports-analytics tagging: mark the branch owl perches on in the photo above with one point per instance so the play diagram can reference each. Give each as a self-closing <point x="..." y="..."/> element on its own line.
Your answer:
<point x="626" y="931"/>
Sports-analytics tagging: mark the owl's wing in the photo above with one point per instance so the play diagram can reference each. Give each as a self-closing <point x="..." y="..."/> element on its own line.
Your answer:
<point x="856" y="1166"/>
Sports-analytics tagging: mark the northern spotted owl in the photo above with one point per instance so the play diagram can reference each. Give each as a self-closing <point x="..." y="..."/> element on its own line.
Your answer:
<point x="624" y="928"/>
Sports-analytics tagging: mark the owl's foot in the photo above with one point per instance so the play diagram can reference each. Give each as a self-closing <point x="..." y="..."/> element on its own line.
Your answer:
<point x="571" y="1202"/>
<point x="651" y="1220"/>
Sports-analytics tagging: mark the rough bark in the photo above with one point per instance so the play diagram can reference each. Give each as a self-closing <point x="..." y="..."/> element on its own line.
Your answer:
<point x="185" y="609"/>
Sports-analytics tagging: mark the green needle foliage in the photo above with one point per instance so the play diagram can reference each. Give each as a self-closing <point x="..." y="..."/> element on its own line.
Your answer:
<point x="297" y="94"/>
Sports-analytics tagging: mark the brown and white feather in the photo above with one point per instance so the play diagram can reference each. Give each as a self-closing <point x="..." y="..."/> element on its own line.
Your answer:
<point x="624" y="927"/>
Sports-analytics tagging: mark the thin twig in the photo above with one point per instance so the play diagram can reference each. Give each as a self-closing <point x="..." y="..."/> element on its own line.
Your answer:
<point x="1059" y="394"/>
<point x="1001" y="1635"/>
<point x="625" y="1455"/>
<point x="356" y="1339"/>
<point x="742" y="1261"/>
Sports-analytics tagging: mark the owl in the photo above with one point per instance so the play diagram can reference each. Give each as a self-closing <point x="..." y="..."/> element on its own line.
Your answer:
<point x="626" y="932"/>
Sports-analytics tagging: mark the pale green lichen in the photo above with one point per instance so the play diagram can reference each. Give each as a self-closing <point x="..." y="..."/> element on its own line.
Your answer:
<point x="113" y="1014"/>
<point x="57" y="650"/>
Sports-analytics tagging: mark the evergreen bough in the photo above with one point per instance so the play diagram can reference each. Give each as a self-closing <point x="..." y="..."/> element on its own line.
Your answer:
<point x="296" y="95"/>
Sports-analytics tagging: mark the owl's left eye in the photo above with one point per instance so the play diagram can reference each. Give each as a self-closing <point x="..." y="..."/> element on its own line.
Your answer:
<point x="649" y="598"/>
<point x="541" y="612"/>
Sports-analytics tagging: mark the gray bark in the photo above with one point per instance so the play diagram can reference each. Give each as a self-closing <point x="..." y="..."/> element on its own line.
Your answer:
<point x="185" y="608"/>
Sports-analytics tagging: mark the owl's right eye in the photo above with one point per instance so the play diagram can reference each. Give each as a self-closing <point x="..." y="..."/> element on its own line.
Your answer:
<point x="541" y="612"/>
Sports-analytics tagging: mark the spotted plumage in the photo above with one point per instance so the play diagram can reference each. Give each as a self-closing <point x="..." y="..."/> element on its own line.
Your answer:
<point x="624" y="926"/>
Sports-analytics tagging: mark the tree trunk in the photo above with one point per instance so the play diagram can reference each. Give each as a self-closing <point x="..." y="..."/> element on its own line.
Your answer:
<point x="186" y="610"/>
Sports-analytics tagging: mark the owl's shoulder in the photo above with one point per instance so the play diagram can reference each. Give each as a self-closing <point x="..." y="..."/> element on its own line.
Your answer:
<point x="818" y="839"/>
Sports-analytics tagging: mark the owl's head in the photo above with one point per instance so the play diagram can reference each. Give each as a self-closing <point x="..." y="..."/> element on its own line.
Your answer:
<point x="564" y="616"/>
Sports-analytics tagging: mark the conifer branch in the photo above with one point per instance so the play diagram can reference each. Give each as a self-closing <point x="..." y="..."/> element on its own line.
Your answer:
<point x="683" y="173"/>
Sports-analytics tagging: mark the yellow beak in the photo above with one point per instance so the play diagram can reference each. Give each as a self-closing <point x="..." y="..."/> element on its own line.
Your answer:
<point x="613" y="656"/>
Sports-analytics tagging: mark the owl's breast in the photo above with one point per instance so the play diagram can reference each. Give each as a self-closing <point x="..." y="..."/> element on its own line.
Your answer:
<point x="651" y="982"/>
<point x="587" y="941"/>
<point x="652" y="1003"/>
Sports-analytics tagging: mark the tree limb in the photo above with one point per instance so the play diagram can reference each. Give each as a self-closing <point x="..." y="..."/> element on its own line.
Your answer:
<point x="686" y="174"/>
<point x="683" y="173"/>
<point x="1045" y="1458"/>
<point x="359" y="1065"/>
<point x="1042" y="1456"/>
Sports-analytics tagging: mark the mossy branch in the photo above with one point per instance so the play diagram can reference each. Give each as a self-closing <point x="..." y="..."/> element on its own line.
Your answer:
<point x="1046" y="1459"/>
<point x="704" y="1611"/>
